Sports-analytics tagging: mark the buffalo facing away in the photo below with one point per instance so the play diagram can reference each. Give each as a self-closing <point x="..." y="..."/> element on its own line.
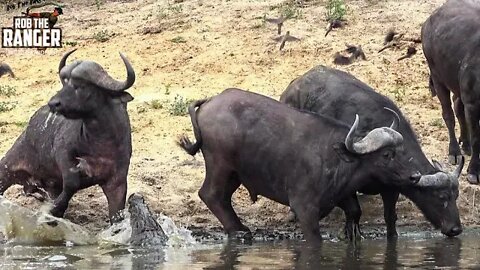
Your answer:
<point x="450" y="39"/>
<point x="307" y="161"/>
<point x="337" y="94"/>
<point x="82" y="138"/>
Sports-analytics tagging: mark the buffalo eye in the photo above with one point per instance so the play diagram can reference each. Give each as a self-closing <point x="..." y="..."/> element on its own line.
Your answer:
<point x="388" y="155"/>
<point x="443" y="197"/>
<point x="445" y="204"/>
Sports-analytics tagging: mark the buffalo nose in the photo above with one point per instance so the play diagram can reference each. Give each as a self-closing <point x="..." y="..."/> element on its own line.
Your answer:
<point x="415" y="177"/>
<point x="455" y="231"/>
<point x="54" y="104"/>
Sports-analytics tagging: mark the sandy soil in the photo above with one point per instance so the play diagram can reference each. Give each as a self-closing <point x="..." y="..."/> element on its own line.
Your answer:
<point x="201" y="48"/>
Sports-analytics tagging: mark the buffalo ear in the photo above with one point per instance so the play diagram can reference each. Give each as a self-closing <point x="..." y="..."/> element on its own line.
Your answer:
<point x="342" y="152"/>
<point x="123" y="97"/>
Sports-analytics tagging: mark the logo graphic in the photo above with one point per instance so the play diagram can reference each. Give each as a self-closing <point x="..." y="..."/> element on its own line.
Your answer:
<point x="28" y="32"/>
<point x="34" y="29"/>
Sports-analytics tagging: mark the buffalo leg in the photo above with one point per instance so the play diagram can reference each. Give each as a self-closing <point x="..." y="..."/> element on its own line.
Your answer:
<point x="454" y="153"/>
<point x="4" y="182"/>
<point x="464" y="137"/>
<point x="291" y="216"/>
<point x="116" y="193"/>
<point x="353" y="212"/>
<point x="71" y="184"/>
<point x="390" y="213"/>
<point x="216" y="192"/>
<point x="8" y="177"/>
<point x="309" y="213"/>
<point x="472" y="114"/>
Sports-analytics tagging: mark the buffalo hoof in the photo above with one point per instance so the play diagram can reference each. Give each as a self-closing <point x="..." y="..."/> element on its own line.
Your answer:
<point x="392" y="235"/>
<point x="454" y="160"/>
<point x="291" y="217"/>
<point x="56" y="212"/>
<point x="241" y="235"/>
<point x="473" y="179"/>
<point x="353" y="233"/>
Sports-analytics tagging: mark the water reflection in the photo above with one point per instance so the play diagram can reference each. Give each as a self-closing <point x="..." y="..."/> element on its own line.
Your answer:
<point x="391" y="255"/>
<point x="228" y="257"/>
<point x="444" y="253"/>
<point x="404" y="253"/>
<point x="147" y="259"/>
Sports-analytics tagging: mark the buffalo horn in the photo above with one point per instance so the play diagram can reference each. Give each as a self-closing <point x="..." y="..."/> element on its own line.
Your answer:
<point x="351" y="132"/>
<point x="396" y="119"/>
<point x="437" y="179"/>
<point x="95" y="74"/>
<point x="373" y="141"/>
<point x="437" y="165"/>
<point x="63" y="61"/>
<point x="441" y="178"/>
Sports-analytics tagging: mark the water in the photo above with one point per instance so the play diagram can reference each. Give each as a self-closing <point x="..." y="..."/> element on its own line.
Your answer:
<point x="69" y="246"/>
<point x="405" y="253"/>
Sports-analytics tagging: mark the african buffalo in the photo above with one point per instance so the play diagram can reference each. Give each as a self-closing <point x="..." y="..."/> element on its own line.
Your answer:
<point x="82" y="138"/>
<point x="337" y="94"/>
<point x="450" y="44"/>
<point x="308" y="161"/>
<point x="5" y="69"/>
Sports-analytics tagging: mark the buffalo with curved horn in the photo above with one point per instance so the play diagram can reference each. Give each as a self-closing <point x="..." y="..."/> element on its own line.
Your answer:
<point x="337" y="94"/>
<point x="307" y="161"/>
<point x="80" y="139"/>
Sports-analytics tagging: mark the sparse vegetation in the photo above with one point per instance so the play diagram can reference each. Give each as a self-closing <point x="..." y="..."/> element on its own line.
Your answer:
<point x="98" y="3"/>
<point x="172" y="9"/>
<point x="6" y="106"/>
<point x="336" y="10"/>
<point x="102" y="36"/>
<point x="178" y="39"/>
<point x="175" y="8"/>
<point x="161" y="13"/>
<point x="7" y="91"/>
<point x="71" y="43"/>
<point x="290" y="11"/>
<point x="260" y="24"/>
<point x="179" y="106"/>
<point x="18" y="124"/>
<point x="156" y="104"/>
<point x="437" y="122"/>
<point x="141" y="109"/>
<point x="398" y="93"/>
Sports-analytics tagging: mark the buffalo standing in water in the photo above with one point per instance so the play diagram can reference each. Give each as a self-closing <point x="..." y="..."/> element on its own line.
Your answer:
<point x="86" y="142"/>
<point x="450" y="40"/>
<point x="308" y="161"/>
<point x="340" y="95"/>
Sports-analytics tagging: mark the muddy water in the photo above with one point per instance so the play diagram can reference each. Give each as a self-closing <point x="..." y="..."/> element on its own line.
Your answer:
<point x="410" y="251"/>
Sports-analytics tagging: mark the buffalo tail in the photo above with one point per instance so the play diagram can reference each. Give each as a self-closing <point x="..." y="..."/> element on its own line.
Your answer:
<point x="184" y="142"/>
